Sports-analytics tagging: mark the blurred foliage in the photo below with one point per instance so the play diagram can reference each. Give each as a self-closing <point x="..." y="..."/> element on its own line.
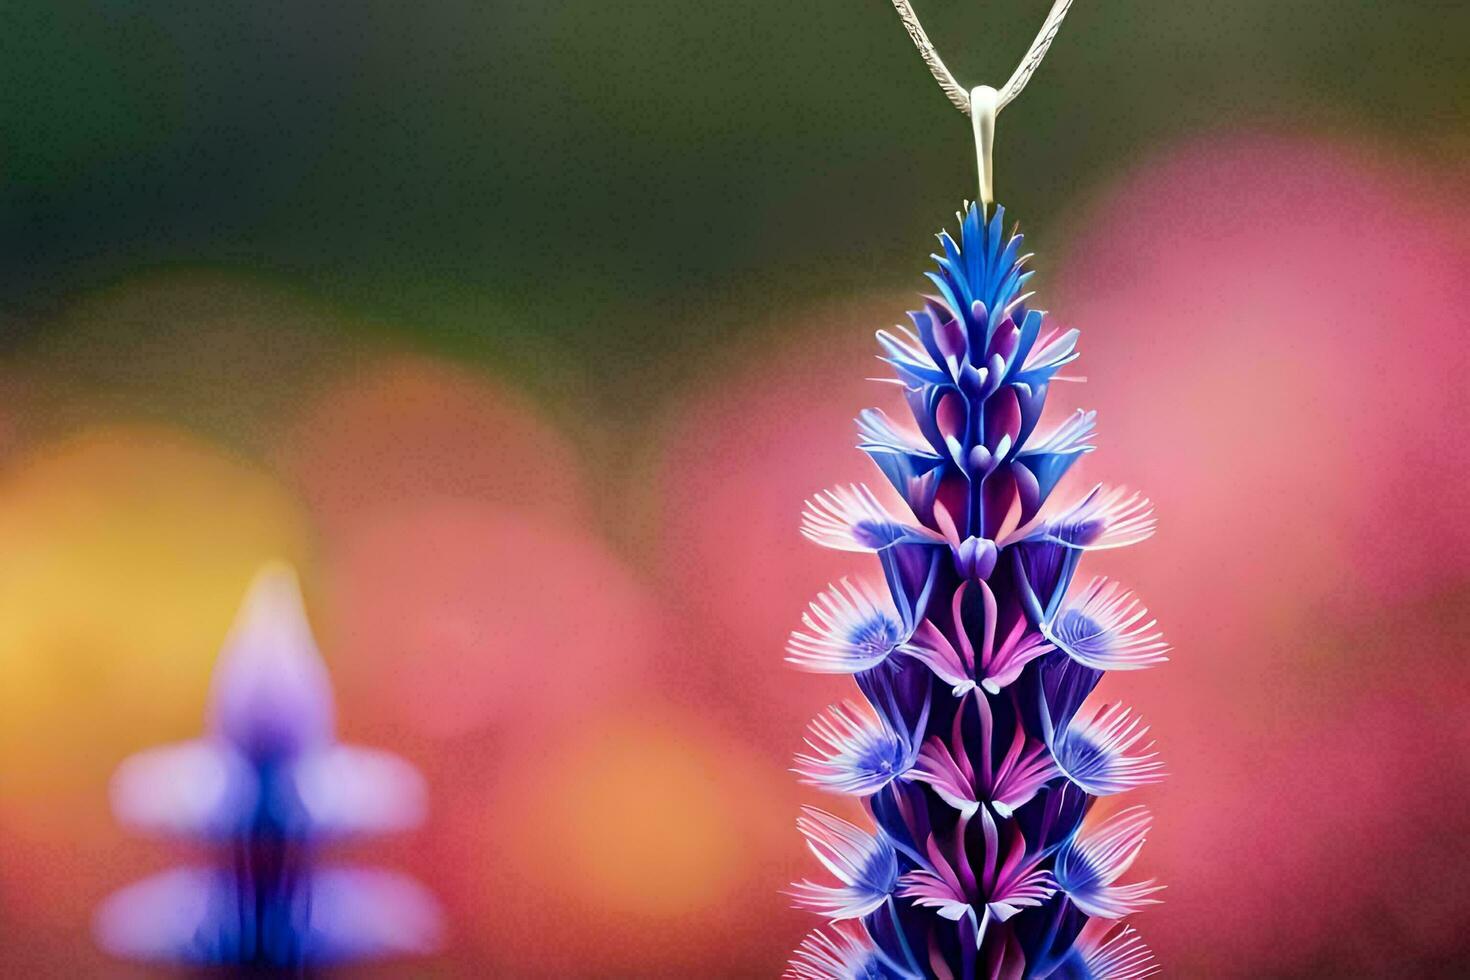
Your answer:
<point x="561" y="188"/>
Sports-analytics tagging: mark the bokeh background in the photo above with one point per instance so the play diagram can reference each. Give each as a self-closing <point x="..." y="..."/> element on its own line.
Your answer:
<point x="523" y="328"/>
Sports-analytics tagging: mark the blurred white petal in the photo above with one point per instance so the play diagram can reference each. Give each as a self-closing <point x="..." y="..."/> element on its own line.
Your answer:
<point x="201" y="787"/>
<point x="349" y="790"/>
<point x="169" y="917"/>
<point x="361" y="913"/>
<point x="271" y="694"/>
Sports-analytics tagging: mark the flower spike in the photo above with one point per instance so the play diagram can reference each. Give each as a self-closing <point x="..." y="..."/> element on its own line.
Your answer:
<point x="978" y="753"/>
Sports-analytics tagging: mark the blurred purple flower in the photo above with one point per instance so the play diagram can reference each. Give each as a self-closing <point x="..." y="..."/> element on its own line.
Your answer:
<point x="266" y="786"/>
<point x="976" y="761"/>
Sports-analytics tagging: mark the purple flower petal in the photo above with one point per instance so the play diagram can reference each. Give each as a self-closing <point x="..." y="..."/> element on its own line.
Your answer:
<point x="359" y="913"/>
<point x="347" y="790"/>
<point x="271" y="694"/>
<point x="204" y="788"/>
<point x="183" y="915"/>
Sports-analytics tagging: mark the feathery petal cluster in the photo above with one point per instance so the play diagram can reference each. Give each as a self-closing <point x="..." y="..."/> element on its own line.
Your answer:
<point x="265" y="788"/>
<point x="854" y="751"/>
<point x="975" y="756"/>
<point x="844" y="952"/>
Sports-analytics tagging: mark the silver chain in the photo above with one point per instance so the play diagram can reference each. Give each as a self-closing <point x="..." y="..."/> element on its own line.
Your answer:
<point x="982" y="103"/>
<point x="957" y="93"/>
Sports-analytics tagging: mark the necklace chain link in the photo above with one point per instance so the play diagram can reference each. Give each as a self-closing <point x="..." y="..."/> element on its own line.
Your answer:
<point x="957" y="93"/>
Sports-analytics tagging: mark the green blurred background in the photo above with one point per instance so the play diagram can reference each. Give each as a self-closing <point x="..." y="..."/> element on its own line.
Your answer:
<point x="592" y="196"/>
